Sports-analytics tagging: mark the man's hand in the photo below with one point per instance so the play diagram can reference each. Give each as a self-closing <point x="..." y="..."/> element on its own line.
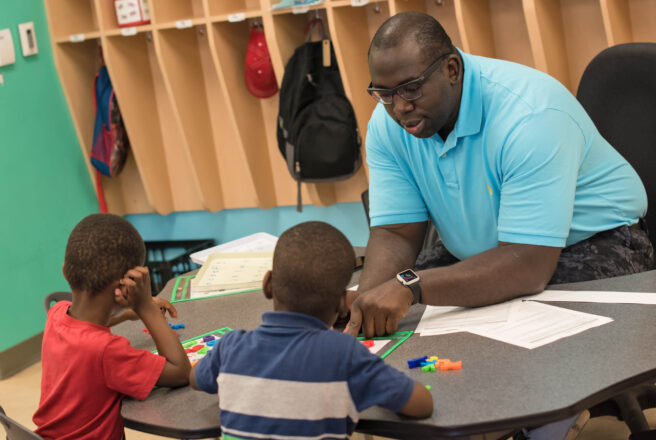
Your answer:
<point x="378" y="311"/>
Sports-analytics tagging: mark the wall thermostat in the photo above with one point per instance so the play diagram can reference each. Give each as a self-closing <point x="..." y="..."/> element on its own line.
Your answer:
<point x="28" y="39"/>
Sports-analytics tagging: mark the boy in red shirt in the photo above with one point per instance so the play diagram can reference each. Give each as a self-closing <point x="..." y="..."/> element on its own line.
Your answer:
<point x="86" y="369"/>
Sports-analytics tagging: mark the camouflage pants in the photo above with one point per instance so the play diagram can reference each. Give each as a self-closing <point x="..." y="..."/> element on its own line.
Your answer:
<point x="620" y="251"/>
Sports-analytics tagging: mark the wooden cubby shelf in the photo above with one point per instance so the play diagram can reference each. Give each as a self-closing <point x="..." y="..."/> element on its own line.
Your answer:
<point x="201" y="141"/>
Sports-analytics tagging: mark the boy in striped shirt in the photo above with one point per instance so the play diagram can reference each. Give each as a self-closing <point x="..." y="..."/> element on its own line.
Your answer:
<point x="293" y="377"/>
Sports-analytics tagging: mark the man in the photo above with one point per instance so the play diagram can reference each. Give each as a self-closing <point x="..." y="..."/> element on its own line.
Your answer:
<point x="520" y="185"/>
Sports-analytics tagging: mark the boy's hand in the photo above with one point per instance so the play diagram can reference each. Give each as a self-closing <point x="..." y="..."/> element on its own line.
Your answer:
<point x="130" y="315"/>
<point x="165" y="306"/>
<point x="135" y="288"/>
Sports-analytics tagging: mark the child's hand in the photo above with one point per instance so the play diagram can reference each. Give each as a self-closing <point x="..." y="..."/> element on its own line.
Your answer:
<point x="130" y="315"/>
<point x="135" y="288"/>
<point x="165" y="306"/>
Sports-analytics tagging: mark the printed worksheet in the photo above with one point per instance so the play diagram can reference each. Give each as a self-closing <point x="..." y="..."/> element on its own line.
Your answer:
<point x="258" y="242"/>
<point x="240" y="270"/>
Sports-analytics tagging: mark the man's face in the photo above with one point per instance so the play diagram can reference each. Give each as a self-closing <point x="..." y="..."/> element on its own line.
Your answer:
<point x="437" y="108"/>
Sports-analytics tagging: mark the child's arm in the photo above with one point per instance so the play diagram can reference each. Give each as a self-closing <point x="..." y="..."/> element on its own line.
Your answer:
<point x="129" y="315"/>
<point x="136" y="284"/>
<point x="192" y="377"/>
<point x="420" y="404"/>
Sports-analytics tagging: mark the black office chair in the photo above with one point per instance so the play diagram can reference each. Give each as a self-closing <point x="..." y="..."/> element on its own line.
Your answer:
<point x="53" y="297"/>
<point x="16" y="431"/>
<point x="618" y="90"/>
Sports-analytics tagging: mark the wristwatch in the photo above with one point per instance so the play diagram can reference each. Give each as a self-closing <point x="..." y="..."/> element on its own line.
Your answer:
<point x="411" y="280"/>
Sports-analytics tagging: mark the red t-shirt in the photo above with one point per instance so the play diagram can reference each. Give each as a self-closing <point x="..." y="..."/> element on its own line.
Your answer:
<point x="86" y="371"/>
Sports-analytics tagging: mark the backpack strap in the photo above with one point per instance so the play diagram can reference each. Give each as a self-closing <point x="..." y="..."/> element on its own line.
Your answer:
<point x="309" y="27"/>
<point x="102" y="204"/>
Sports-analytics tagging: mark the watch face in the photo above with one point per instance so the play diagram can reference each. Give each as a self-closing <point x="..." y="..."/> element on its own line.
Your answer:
<point x="408" y="275"/>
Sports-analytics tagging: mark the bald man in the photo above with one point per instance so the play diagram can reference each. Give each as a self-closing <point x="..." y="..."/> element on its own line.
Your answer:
<point x="520" y="185"/>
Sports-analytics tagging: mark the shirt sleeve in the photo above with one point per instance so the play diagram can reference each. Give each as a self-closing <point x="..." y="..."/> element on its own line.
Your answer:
<point x="207" y="370"/>
<point x="393" y="196"/>
<point x="540" y="162"/>
<point x="373" y="382"/>
<point x="131" y="371"/>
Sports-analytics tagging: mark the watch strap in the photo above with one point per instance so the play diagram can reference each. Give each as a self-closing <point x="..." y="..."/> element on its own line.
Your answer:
<point x="416" y="292"/>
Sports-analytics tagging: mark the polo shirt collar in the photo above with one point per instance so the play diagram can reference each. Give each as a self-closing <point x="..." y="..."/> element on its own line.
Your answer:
<point x="470" y="114"/>
<point x="292" y="320"/>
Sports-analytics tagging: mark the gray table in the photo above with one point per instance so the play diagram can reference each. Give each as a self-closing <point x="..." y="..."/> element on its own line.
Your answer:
<point x="500" y="387"/>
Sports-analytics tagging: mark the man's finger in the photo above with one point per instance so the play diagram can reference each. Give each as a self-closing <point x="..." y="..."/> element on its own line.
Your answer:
<point x="368" y="323"/>
<point x="391" y="325"/>
<point x="380" y="321"/>
<point x="354" y="324"/>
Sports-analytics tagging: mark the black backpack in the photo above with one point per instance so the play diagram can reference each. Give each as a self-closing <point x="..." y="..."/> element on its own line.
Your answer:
<point x="317" y="131"/>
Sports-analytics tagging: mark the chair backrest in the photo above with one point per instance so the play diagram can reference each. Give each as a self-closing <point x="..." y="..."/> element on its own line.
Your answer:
<point x="53" y="297"/>
<point x="16" y="431"/>
<point x="618" y="90"/>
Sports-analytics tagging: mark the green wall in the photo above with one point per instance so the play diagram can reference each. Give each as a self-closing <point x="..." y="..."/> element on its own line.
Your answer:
<point x="44" y="184"/>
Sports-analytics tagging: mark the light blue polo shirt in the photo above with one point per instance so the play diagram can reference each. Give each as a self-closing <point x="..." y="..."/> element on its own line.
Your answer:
<point x="524" y="164"/>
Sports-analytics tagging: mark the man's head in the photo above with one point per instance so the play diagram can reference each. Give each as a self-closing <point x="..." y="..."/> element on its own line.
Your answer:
<point x="411" y="46"/>
<point x="312" y="265"/>
<point x="100" y="250"/>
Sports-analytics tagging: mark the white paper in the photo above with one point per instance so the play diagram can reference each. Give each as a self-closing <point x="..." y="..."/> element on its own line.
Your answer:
<point x="438" y="320"/>
<point x="378" y="345"/>
<point x="183" y="24"/>
<point x="594" y="296"/>
<point x="233" y="270"/>
<point x="195" y="294"/>
<point x="129" y="31"/>
<point x="535" y="324"/>
<point x="234" y="18"/>
<point x="258" y="242"/>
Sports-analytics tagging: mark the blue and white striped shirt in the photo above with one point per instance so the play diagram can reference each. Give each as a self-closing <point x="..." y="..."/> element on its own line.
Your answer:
<point x="293" y="377"/>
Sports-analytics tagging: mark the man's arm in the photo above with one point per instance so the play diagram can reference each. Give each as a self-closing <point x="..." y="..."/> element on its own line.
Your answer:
<point x="391" y="248"/>
<point x="499" y="274"/>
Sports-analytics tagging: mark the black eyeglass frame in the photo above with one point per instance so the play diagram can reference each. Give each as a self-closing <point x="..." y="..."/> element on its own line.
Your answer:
<point x="420" y="81"/>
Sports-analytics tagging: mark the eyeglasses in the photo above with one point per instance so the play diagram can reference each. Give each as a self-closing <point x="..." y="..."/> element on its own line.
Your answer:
<point x="410" y="90"/>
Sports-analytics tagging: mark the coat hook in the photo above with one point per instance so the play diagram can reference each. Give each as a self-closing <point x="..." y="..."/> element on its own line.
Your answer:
<point x="376" y="8"/>
<point x="149" y="36"/>
<point x="201" y="30"/>
<point x="439" y="2"/>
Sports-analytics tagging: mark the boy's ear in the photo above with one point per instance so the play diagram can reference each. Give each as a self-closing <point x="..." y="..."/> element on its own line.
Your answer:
<point x="64" y="270"/>
<point x="267" y="285"/>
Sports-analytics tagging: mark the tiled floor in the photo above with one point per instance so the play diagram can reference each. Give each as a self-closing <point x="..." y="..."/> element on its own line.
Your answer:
<point x="19" y="396"/>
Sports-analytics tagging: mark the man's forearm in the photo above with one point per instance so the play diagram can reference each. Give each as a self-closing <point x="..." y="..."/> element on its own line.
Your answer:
<point x="490" y="277"/>
<point x="389" y="251"/>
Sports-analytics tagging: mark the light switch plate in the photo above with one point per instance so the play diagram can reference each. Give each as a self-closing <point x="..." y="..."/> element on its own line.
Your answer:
<point x="28" y="39"/>
<point x="7" y="55"/>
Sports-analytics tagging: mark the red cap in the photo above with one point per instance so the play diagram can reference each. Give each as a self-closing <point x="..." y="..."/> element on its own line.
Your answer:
<point x="259" y="75"/>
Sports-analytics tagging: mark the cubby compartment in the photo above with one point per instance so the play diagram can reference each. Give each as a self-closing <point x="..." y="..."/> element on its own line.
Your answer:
<point x="78" y="64"/>
<point x="642" y="20"/>
<point x="129" y="61"/>
<point x="200" y="140"/>
<point x="251" y="116"/>
<point x="166" y="11"/>
<point x="584" y="35"/>
<point x="71" y="17"/>
<point x="236" y="10"/>
<point x="287" y="32"/>
<point x="443" y="10"/>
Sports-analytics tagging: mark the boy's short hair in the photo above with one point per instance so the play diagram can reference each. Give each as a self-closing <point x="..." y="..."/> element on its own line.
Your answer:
<point x="100" y="250"/>
<point x="312" y="265"/>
